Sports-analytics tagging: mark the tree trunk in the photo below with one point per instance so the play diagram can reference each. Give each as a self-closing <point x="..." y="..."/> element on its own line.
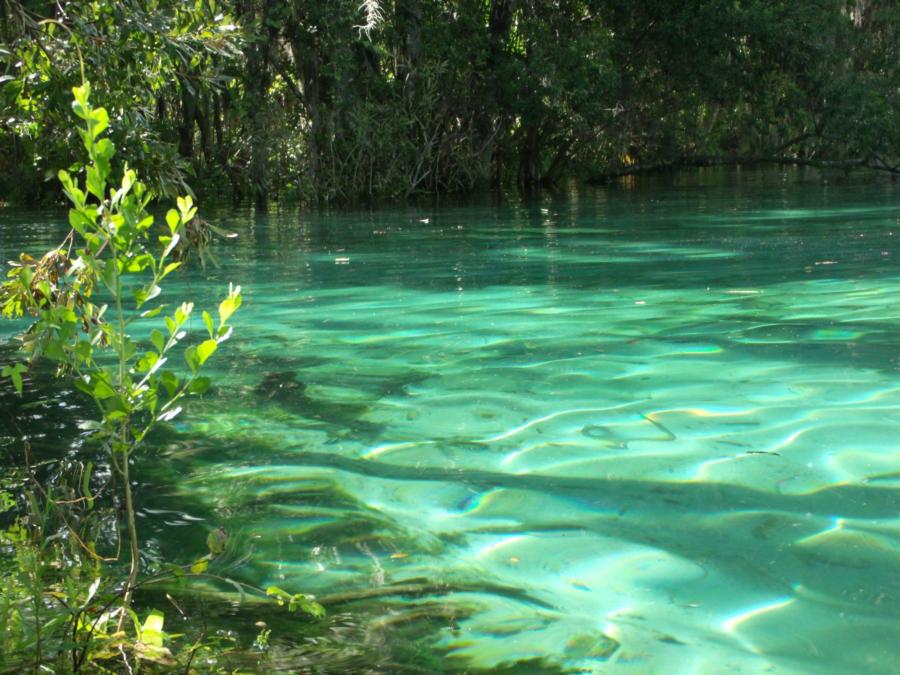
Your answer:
<point x="529" y="163"/>
<point x="206" y="142"/>
<point x="257" y="78"/>
<point x="186" y="128"/>
<point x="558" y="164"/>
<point x="409" y="25"/>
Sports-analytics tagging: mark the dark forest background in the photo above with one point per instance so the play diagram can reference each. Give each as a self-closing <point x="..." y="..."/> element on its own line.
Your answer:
<point x="330" y="101"/>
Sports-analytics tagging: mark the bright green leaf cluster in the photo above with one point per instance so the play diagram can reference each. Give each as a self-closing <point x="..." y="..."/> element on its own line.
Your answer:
<point x="297" y="601"/>
<point x="112" y="238"/>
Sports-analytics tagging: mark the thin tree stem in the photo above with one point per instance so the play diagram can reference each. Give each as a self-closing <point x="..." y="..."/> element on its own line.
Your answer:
<point x="132" y="536"/>
<point x="126" y="449"/>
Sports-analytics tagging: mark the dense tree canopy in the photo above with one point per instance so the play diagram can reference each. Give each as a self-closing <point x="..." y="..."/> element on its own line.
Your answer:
<point x="333" y="101"/>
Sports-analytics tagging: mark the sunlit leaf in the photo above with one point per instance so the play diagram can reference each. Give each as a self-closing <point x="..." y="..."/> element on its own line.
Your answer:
<point x="205" y="350"/>
<point x="229" y="305"/>
<point x="200" y="566"/>
<point x="150" y="313"/>
<point x="171" y="267"/>
<point x="208" y="320"/>
<point x="152" y="630"/>
<point x="172" y="220"/>
<point x="92" y="590"/>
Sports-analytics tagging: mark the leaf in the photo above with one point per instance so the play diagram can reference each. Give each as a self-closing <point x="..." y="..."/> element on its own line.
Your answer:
<point x="150" y="313"/>
<point x="185" y="206"/>
<point x="147" y="362"/>
<point x="171" y="267"/>
<point x="172" y="220"/>
<point x="142" y="295"/>
<point x="205" y="350"/>
<point x="14" y="372"/>
<point x="84" y="350"/>
<point x="145" y="223"/>
<point x="158" y="340"/>
<point x="101" y="389"/>
<point x="79" y="221"/>
<point x="200" y="566"/>
<point x="224" y="333"/>
<point x="99" y="122"/>
<point x="82" y="385"/>
<point x="95" y="182"/>
<point x="208" y="320"/>
<point x="191" y="358"/>
<point x="173" y="242"/>
<point x="80" y="105"/>
<point x="152" y="630"/>
<point x="17" y="381"/>
<point x="307" y="605"/>
<point x="182" y="313"/>
<point x="281" y="595"/>
<point x="229" y="305"/>
<point x="169" y="381"/>
<point x="129" y="348"/>
<point x="200" y="385"/>
<point x="139" y="262"/>
<point x="128" y="179"/>
<point x="92" y="591"/>
<point x="105" y="151"/>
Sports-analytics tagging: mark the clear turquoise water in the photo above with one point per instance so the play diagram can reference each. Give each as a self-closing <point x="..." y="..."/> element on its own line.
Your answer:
<point x="633" y="430"/>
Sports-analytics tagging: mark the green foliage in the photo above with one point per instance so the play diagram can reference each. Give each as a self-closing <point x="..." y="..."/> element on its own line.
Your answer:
<point x="141" y="52"/>
<point x="295" y="100"/>
<point x="297" y="602"/>
<point x="112" y="239"/>
<point x="86" y="297"/>
<point x="61" y="612"/>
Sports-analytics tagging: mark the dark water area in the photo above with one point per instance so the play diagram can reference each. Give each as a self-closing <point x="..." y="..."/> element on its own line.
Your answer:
<point x="642" y="428"/>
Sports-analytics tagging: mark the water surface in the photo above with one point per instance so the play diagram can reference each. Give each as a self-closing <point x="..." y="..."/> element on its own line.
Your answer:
<point x="629" y="430"/>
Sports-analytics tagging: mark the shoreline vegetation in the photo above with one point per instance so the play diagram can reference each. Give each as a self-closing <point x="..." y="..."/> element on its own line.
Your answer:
<point x="875" y="164"/>
<point x="310" y="102"/>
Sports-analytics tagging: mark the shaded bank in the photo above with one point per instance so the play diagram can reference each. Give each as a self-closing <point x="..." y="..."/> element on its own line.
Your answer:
<point x="293" y="102"/>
